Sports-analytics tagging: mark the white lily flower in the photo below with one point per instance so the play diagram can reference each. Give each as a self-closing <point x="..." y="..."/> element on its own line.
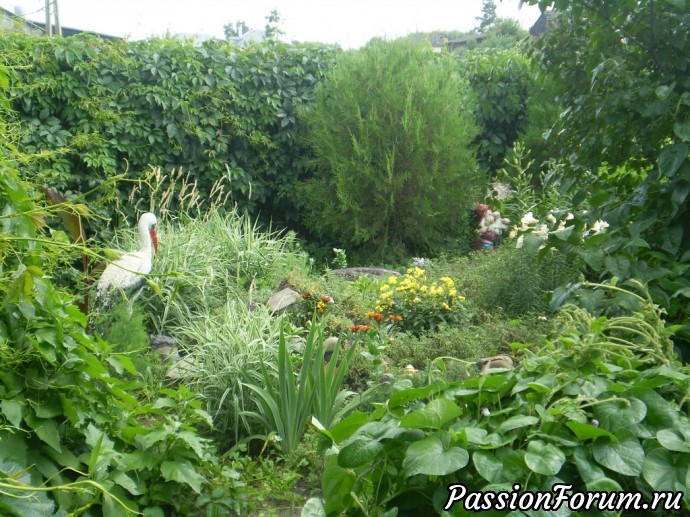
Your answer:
<point x="529" y="219"/>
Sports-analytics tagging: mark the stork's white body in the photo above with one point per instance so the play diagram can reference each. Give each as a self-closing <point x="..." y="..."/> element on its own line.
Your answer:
<point x="126" y="273"/>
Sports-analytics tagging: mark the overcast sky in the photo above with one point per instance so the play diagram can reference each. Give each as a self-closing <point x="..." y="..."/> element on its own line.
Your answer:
<point x="351" y="23"/>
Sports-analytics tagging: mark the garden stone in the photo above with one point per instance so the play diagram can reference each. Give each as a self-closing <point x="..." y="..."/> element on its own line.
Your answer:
<point x="283" y="301"/>
<point x="183" y="367"/>
<point x="498" y="361"/>
<point x="353" y="273"/>
<point x="165" y="346"/>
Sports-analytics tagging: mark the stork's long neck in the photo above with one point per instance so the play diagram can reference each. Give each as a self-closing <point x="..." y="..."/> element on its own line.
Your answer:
<point x="145" y="239"/>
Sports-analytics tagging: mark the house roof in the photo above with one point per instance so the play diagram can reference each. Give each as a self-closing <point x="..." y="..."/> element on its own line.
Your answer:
<point x="9" y="20"/>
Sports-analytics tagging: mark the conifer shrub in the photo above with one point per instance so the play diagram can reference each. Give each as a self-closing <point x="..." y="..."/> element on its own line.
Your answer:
<point x="391" y="129"/>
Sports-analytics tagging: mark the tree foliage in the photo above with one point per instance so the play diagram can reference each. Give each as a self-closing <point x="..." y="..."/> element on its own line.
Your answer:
<point x="392" y="134"/>
<point x="622" y="68"/>
<point x="501" y="80"/>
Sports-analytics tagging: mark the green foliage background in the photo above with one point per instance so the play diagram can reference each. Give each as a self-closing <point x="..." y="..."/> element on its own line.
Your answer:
<point x="391" y="135"/>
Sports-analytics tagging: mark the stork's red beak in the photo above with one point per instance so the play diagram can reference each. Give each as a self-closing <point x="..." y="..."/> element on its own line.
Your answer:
<point x="154" y="238"/>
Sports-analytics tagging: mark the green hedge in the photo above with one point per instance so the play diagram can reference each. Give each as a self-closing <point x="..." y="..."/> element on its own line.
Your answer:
<point x="95" y="108"/>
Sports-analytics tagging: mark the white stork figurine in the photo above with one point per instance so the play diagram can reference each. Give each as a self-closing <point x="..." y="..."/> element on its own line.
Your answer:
<point x="125" y="273"/>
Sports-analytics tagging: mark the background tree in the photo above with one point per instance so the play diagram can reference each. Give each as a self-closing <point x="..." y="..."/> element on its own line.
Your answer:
<point x="392" y="136"/>
<point x="488" y="16"/>
<point x="621" y="71"/>
<point x="232" y="30"/>
<point x="271" y="31"/>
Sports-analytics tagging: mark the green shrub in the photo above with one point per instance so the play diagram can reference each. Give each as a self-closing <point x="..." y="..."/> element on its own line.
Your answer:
<point x="510" y="279"/>
<point x="391" y="131"/>
<point x="501" y="80"/>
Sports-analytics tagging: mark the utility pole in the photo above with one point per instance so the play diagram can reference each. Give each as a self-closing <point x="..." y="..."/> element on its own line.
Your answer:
<point x="52" y="8"/>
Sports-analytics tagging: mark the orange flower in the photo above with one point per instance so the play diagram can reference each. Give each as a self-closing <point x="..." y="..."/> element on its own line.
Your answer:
<point x="375" y="315"/>
<point x="395" y="317"/>
<point x="307" y="296"/>
<point x="360" y="328"/>
<point x="326" y="299"/>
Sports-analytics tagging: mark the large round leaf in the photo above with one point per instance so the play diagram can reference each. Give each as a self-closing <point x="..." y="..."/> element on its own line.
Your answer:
<point x="660" y="413"/>
<point x="488" y="466"/>
<point x="544" y="458"/>
<point x="624" y="456"/>
<point x="516" y="422"/>
<point x="434" y="456"/>
<point x="663" y="470"/>
<point x="619" y="414"/>
<point x="359" y="452"/>
<point x="434" y="415"/>
<point x="674" y="440"/>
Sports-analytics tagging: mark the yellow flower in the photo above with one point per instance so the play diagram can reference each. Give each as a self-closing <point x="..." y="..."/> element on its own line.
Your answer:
<point x="386" y="296"/>
<point x="384" y="287"/>
<point x="461" y="298"/>
<point x="445" y="306"/>
<point x="393" y="280"/>
<point x="452" y="293"/>
<point x="416" y="300"/>
<point x="447" y="282"/>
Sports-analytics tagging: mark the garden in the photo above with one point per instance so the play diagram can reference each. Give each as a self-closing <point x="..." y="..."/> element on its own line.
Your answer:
<point x="387" y="281"/>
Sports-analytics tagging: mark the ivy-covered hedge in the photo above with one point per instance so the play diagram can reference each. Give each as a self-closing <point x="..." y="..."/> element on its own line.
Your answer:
<point x="95" y="108"/>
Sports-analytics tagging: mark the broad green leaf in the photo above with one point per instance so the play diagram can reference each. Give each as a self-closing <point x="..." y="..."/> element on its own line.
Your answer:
<point x="336" y="484"/>
<point x="588" y="431"/>
<point x="624" y="456"/>
<point x="434" y="415"/>
<point x="619" y="414"/>
<point x="660" y="414"/>
<point x="671" y="158"/>
<point x="313" y="508"/>
<point x="604" y="484"/>
<point x="46" y="430"/>
<point x="434" y="456"/>
<point x="359" y="452"/>
<point x="544" y="458"/>
<point x="402" y="397"/>
<point x="662" y="469"/>
<point x="488" y="466"/>
<point x="183" y="472"/>
<point x="674" y="440"/>
<point x="682" y="130"/>
<point x="588" y="471"/>
<point x="13" y="411"/>
<point x="517" y="422"/>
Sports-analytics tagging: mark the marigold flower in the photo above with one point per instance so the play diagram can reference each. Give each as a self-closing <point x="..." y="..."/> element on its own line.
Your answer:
<point x="375" y="315"/>
<point x="360" y="328"/>
<point x="320" y="306"/>
<point x="326" y="299"/>
<point x="395" y="317"/>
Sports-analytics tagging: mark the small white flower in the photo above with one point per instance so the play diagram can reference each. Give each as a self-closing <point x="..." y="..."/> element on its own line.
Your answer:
<point x="485" y="411"/>
<point x="561" y="225"/>
<point x="551" y="218"/>
<point x="541" y="230"/>
<point x="420" y="262"/>
<point x="513" y="232"/>
<point x="529" y="219"/>
<point x="520" y="241"/>
<point x="569" y="217"/>
<point x="599" y="227"/>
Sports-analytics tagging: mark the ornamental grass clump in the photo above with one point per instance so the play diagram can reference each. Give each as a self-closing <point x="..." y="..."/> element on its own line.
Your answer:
<point x="412" y="304"/>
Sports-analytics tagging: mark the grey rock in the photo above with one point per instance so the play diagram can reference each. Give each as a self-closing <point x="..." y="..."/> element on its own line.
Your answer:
<point x="283" y="301"/>
<point x="355" y="272"/>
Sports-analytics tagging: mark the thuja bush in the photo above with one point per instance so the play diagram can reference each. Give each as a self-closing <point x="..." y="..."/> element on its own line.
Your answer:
<point x="391" y="130"/>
